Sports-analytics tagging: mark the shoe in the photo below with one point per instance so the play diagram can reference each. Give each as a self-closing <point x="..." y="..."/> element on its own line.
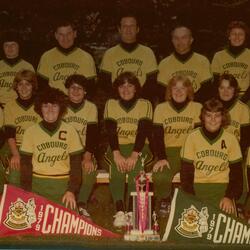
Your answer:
<point x="83" y="212"/>
<point x="120" y="219"/>
<point x="164" y="209"/>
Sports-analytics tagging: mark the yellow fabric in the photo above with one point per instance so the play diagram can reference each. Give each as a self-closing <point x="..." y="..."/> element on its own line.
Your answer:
<point x="197" y="68"/>
<point x="7" y="75"/>
<point x="248" y="158"/>
<point x="224" y="62"/>
<point x="211" y="158"/>
<point x="57" y="66"/>
<point x="1" y="117"/>
<point x="176" y="124"/>
<point x="239" y="116"/>
<point x="141" y="61"/>
<point x="50" y="151"/>
<point x="127" y="120"/>
<point x="20" y="118"/>
<point x="80" y="118"/>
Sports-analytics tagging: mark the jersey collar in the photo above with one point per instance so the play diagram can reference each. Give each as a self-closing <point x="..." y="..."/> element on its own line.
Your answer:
<point x="128" y="105"/>
<point x="50" y="129"/>
<point x="211" y="138"/>
<point x="185" y="57"/>
<point x="12" y="61"/>
<point x="129" y="47"/>
<point x="235" y="51"/>
<point x="179" y="107"/>
<point x="76" y="106"/>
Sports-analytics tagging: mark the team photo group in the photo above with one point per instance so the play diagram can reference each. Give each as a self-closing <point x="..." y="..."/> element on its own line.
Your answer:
<point x="184" y="116"/>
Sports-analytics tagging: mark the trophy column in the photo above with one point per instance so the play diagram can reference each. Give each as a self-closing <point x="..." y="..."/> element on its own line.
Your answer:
<point x="139" y="227"/>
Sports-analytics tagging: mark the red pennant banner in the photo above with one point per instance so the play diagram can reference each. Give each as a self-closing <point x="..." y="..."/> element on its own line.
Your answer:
<point x="23" y="213"/>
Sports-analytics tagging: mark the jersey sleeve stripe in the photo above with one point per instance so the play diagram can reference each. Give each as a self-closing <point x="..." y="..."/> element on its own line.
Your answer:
<point x="152" y="72"/>
<point x="111" y="119"/>
<point x="25" y="153"/>
<point x="43" y="76"/>
<point x="235" y="161"/>
<point x="76" y="152"/>
<point x="187" y="160"/>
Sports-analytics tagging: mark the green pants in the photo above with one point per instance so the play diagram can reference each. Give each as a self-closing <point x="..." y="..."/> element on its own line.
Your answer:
<point x="118" y="179"/>
<point x="245" y="190"/>
<point x="11" y="176"/>
<point x="14" y="177"/>
<point x="247" y="200"/>
<point x="4" y="165"/>
<point x="211" y="193"/>
<point x="88" y="182"/>
<point x="163" y="180"/>
<point x="2" y="178"/>
<point x="50" y="188"/>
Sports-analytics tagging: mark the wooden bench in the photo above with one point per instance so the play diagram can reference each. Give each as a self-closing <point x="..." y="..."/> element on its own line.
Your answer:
<point x="103" y="177"/>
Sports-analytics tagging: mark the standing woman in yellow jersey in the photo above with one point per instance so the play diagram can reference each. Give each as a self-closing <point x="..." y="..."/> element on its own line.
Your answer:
<point x="128" y="121"/>
<point x="211" y="160"/>
<point x="19" y="115"/>
<point x="51" y="152"/>
<point x="235" y="57"/>
<point x="173" y="120"/>
<point x="11" y="63"/>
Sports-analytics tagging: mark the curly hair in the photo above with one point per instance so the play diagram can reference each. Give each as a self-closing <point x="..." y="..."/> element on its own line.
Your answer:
<point x="126" y="77"/>
<point x="215" y="105"/>
<point x="78" y="79"/>
<point x="51" y="95"/>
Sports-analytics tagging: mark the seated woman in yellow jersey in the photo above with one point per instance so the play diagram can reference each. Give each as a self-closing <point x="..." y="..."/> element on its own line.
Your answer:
<point x="51" y="152"/>
<point x="19" y="115"/>
<point x="173" y="120"/>
<point x="128" y="121"/>
<point x="245" y="145"/>
<point x="228" y="91"/>
<point x="82" y="115"/>
<point x="2" y="140"/>
<point x="211" y="160"/>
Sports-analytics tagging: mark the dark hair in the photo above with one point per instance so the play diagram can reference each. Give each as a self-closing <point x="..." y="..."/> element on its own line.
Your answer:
<point x="126" y="77"/>
<point x="78" y="79"/>
<point x="51" y="95"/>
<point x="232" y="82"/>
<point x="11" y="36"/>
<point x="63" y="22"/>
<point x="237" y="24"/>
<point x="128" y="13"/>
<point x="215" y="105"/>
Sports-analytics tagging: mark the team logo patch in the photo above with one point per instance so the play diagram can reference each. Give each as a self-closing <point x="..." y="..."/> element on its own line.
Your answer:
<point x="21" y="215"/>
<point x="193" y="223"/>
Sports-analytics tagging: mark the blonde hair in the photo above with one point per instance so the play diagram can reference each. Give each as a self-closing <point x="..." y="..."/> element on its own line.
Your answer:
<point x="186" y="83"/>
<point x="27" y="75"/>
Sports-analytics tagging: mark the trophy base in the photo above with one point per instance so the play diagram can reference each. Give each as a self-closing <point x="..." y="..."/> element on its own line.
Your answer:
<point x="147" y="235"/>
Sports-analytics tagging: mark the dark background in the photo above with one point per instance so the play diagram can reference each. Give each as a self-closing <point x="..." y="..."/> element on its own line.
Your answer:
<point x="96" y="22"/>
